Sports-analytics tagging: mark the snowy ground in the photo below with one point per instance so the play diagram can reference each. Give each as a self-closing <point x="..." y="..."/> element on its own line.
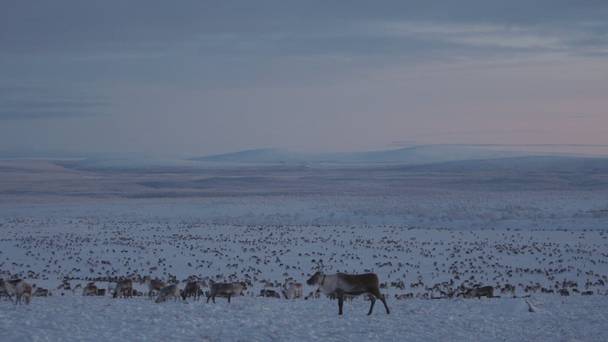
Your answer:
<point x="76" y="318"/>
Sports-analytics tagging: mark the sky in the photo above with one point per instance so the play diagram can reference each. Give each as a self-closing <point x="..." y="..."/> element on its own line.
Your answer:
<point x="204" y="77"/>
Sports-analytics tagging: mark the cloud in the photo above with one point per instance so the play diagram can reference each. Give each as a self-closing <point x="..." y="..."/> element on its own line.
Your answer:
<point x="577" y="39"/>
<point x="43" y="114"/>
<point x="116" y="28"/>
<point x="36" y="102"/>
<point x="223" y="74"/>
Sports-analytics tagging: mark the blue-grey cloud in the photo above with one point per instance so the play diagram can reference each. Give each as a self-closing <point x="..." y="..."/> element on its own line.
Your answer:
<point x="28" y="114"/>
<point x="36" y="102"/>
<point x="211" y="76"/>
<point x="71" y="25"/>
<point x="238" y="43"/>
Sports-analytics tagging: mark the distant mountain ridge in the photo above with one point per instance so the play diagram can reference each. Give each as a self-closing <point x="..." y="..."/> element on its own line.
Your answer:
<point x="423" y="154"/>
<point x="429" y="157"/>
<point x="262" y="155"/>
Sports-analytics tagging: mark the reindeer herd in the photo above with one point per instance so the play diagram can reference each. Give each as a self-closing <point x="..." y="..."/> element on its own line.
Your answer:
<point x="336" y="286"/>
<point x="18" y="288"/>
<point x="339" y="286"/>
<point x="274" y="261"/>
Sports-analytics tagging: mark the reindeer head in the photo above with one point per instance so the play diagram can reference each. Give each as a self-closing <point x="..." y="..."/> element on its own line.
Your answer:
<point x="315" y="279"/>
<point x="243" y="286"/>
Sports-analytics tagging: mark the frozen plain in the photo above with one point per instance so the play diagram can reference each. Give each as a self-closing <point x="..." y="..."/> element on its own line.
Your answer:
<point x="76" y="318"/>
<point x="502" y="225"/>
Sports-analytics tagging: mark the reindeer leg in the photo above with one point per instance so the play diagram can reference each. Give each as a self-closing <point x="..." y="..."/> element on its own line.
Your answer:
<point x="208" y="297"/>
<point x="385" y="306"/>
<point x="340" y="296"/>
<point x="372" y="299"/>
<point x="229" y="298"/>
<point x="312" y="294"/>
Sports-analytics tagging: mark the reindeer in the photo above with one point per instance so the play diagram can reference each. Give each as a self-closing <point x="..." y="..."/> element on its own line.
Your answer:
<point x="19" y="288"/>
<point x="313" y="294"/>
<point x="484" y="291"/>
<point x="293" y="291"/>
<point x="169" y="291"/>
<point x="226" y="290"/>
<point x="3" y="293"/>
<point x="65" y="285"/>
<point x="41" y="292"/>
<point x="269" y="293"/>
<point x="124" y="288"/>
<point x="153" y="285"/>
<point x="192" y="289"/>
<point x="78" y="286"/>
<point x="508" y="288"/>
<point x="341" y="284"/>
<point x="404" y="296"/>
<point x="90" y="290"/>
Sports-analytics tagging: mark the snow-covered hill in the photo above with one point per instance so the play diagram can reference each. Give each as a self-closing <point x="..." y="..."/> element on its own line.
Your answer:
<point x="423" y="154"/>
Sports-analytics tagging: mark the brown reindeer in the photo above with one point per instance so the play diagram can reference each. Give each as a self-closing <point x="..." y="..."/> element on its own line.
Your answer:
<point x="484" y="291"/>
<point x="226" y="290"/>
<point x="169" y="291"/>
<point x="124" y="288"/>
<point x="90" y="290"/>
<point x="293" y="291"/>
<point x="41" y="292"/>
<point x="154" y="285"/>
<point x="192" y="289"/>
<point x="341" y="284"/>
<point x="19" y="288"/>
<point x="268" y="293"/>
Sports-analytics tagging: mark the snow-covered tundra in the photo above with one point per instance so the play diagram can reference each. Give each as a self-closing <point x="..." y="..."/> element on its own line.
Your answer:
<point x="533" y="247"/>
